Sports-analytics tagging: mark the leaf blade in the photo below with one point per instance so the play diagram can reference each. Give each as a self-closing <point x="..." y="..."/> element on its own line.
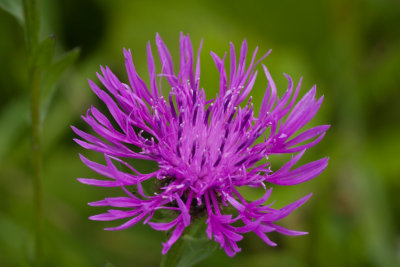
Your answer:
<point x="193" y="247"/>
<point x="14" y="8"/>
<point x="51" y="77"/>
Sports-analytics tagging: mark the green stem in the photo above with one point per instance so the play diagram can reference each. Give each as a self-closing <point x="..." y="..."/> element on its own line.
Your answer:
<point x="31" y="38"/>
<point x="36" y="161"/>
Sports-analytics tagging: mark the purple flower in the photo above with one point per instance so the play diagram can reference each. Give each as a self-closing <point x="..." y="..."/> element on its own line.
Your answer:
<point x="206" y="149"/>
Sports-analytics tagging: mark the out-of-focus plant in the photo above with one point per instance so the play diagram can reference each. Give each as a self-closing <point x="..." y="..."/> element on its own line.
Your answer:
<point x="43" y="73"/>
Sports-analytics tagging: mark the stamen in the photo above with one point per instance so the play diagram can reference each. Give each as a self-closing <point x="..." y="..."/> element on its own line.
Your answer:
<point x="222" y="146"/>
<point x="193" y="149"/>
<point x="218" y="160"/>
<point x="244" y="121"/>
<point x="194" y="115"/>
<point x="171" y="104"/>
<point x="207" y="115"/>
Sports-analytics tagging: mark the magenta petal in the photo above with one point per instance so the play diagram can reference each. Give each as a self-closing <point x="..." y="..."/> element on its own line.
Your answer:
<point x="128" y="223"/>
<point x="121" y="202"/>
<point x="175" y="235"/>
<point x="311" y="133"/>
<point x="265" y="238"/>
<point x="285" y="211"/>
<point x="263" y="199"/>
<point x="96" y="182"/>
<point x="300" y="174"/>
<point x="112" y="215"/>
<point x="235" y="203"/>
<point x="164" y="226"/>
<point x="184" y="212"/>
<point x="285" y="231"/>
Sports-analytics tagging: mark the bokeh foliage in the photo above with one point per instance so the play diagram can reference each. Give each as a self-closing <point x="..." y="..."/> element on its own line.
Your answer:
<point x="350" y="49"/>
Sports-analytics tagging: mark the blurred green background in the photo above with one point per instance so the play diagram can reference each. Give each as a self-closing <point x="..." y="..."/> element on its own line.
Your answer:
<point x="350" y="49"/>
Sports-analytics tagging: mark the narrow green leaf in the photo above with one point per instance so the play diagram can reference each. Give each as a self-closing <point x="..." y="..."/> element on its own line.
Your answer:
<point x="193" y="247"/>
<point x="57" y="69"/>
<point x="31" y="19"/>
<point x="196" y="250"/>
<point x="44" y="53"/>
<point x="52" y="75"/>
<point x="14" y="7"/>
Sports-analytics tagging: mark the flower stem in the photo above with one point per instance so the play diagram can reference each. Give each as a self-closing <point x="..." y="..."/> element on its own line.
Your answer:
<point x="36" y="161"/>
<point x="31" y="15"/>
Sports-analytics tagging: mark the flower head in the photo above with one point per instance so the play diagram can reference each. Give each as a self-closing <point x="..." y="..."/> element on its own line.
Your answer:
<point x="205" y="149"/>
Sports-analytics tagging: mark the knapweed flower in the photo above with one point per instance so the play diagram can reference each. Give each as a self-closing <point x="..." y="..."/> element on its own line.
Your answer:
<point x="205" y="149"/>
